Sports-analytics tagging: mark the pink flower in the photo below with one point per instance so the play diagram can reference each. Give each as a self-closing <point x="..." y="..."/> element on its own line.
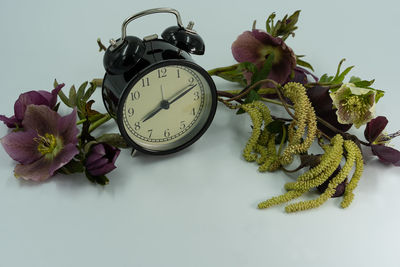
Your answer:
<point x="47" y="143"/>
<point x="28" y="98"/>
<point x="256" y="45"/>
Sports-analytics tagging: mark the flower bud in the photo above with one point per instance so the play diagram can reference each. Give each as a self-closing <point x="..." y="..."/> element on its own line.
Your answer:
<point x="101" y="158"/>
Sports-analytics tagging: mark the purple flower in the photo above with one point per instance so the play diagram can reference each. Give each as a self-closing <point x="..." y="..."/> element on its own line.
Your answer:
<point x="29" y="98"/>
<point x="378" y="140"/>
<point x="101" y="159"/>
<point x="256" y="45"/>
<point x="47" y="143"/>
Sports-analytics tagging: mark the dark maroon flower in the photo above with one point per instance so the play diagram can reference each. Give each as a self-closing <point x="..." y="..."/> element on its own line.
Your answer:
<point x="323" y="106"/>
<point x="378" y="140"/>
<point x="30" y="98"/>
<point x="101" y="159"/>
<point x="47" y="143"/>
<point x="256" y="45"/>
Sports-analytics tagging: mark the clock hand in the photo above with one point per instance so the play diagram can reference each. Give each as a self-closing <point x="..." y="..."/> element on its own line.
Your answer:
<point x="161" y="105"/>
<point x="152" y="113"/>
<point x="181" y="93"/>
<point x="164" y="104"/>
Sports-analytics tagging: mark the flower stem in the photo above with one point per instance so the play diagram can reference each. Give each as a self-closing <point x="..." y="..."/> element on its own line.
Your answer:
<point x="99" y="122"/>
<point x="216" y="71"/>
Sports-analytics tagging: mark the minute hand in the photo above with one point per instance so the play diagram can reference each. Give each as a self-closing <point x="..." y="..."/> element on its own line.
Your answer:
<point x="181" y="93"/>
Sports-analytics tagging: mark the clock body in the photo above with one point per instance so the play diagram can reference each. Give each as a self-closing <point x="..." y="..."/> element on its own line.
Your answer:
<point x="164" y="103"/>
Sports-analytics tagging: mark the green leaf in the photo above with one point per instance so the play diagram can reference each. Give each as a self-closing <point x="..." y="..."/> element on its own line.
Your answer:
<point x="275" y="126"/>
<point x="364" y="84"/>
<point x="71" y="167"/>
<point x="251" y="97"/>
<point x="340" y="78"/>
<point x="354" y="79"/>
<point x="55" y="84"/>
<point x="325" y="78"/>
<point x="379" y="95"/>
<point x="283" y="133"/>
<point x="81" y="91"/>
<point x="101" y="180"/>
<point x="113" y="139"/>
<point x="270" y="23"/>
<point x="339" y="66"/>
<point x="64" y="98"/>
<point x="263" y="73"/>
<point x="72" y="96"/>
<point x="304" y="64"/>
<point x="89" y="92"/>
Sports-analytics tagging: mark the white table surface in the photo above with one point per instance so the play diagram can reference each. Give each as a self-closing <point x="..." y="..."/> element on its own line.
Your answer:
<point x="197" y="207"/>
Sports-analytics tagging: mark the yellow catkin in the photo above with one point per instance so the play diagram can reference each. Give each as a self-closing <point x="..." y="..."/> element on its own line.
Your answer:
<point x="271" y="156"/>
<point x="305" y="118"/>
<point x="259" y="147"/>
<point x="348" y="194"/>
<point x="263" y="151"/>
<point x="280" y="199"/>
<point x="331" y="163"/>
<point x="331" y="189"/>
<point x="331" y="152"/>
<point x="256" y="118"/>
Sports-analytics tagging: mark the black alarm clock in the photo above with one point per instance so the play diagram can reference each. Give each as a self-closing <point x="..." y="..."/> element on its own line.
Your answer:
<point x="162" y="100"/>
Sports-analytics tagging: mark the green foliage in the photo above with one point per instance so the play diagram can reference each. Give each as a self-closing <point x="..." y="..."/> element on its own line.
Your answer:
<point x="79" y="99"/>
<point x="262" y="74"/>
<point x="101" y="180"/>
<point x="284" y="27"/>
<point x="251" y="97"/>
<point x="280" y="129"/>
<point x="303" y="63"/>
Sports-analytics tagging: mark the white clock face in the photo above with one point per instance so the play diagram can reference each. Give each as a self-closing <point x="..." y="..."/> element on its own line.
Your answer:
<point x="167" y="107"/>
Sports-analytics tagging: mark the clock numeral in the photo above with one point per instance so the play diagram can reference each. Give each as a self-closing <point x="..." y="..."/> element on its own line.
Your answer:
<point x="177" y="72"/>
<point x="150" y="131"/>
<point x="191" y="81"/>
<point x="183" y="125"/>
<point x="162" y="73"/>
<point x="135" y="95"/>
<point x="196" y="95"/>
<point x="193" y="111"/>
<point x="167" y="133"/>
<point x="131" y="111"/>
<point x="145" y="82"/>
<point x="137" y="126"/>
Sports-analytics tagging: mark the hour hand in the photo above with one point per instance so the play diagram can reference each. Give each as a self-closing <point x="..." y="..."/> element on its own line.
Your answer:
<point x="151" y="113"/>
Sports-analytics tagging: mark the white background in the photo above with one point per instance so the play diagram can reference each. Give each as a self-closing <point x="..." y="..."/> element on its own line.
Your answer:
<point x="197" y="207"/>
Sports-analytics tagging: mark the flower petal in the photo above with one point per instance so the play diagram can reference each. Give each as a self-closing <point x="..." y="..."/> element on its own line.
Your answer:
<point x="65" y="156"/>
<point x="11" y="122"/>
<point x="36" y="171"/>
<point x="41" y="119"/>
<point x="67" y="128"/>
<point x="21" y="146"/>
<point x="103" y="170"/>
<point x="246" y="47"/>
<point x="387" y="154"/>
<point x="374" y="128"/>
<point x="51" y="97"/>
<point x="26" y="99"/>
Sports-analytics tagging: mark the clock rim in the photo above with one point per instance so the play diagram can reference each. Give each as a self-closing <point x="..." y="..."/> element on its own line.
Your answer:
<point x="145" y="71"/>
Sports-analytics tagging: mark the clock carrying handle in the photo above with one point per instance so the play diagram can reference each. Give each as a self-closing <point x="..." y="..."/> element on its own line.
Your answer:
<point x="116" y="44"/>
